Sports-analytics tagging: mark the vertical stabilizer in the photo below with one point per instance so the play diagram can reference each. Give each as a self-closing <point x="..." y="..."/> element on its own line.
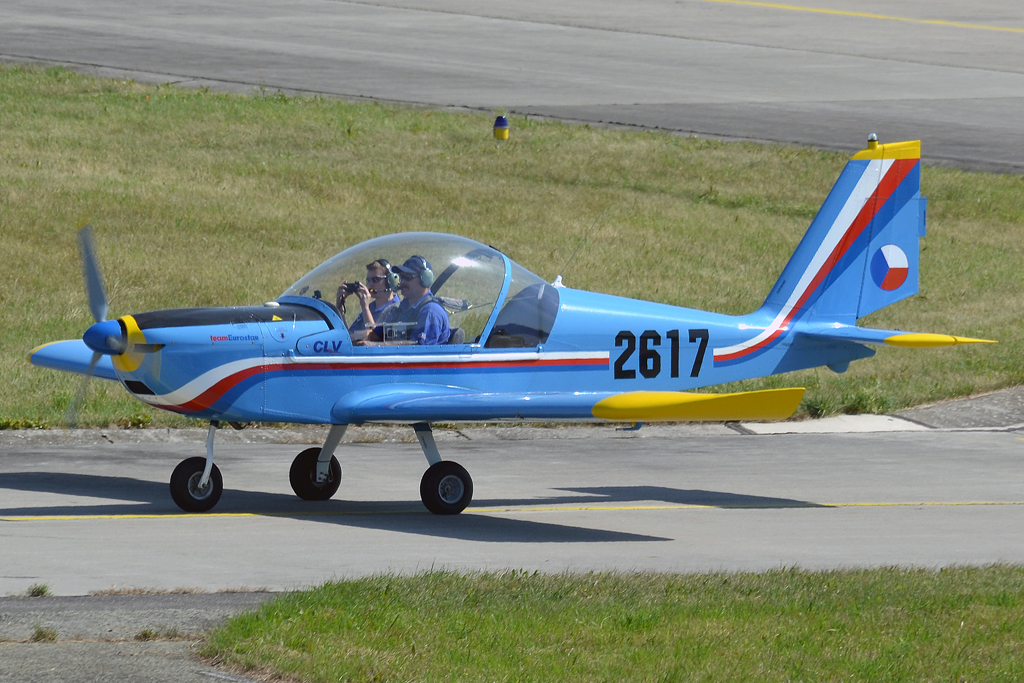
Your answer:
<point x="859" y="254"/>
<point x="861" y="251"/>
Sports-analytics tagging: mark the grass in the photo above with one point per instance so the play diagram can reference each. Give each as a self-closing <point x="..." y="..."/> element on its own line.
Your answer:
<point x="787" y="625"/>
<point x="38" y="590"/>
<point x="42" y="634"/>
<point x="202" y="199"/>
<point x="148" y="634"/>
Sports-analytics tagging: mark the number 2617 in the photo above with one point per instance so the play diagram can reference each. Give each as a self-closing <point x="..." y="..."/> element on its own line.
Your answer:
<point x="648" y="357"/>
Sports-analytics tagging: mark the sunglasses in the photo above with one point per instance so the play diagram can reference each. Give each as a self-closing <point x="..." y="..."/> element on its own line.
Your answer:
<point x="373" y="280"/>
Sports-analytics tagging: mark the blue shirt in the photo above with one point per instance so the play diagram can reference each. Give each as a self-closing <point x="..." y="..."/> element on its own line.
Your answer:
<point x="430" y="318"/>
<point x="378" y="313"/>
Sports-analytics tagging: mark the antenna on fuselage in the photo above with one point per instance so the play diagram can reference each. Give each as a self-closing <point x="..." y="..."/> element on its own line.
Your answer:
<point x="558" y="278"/>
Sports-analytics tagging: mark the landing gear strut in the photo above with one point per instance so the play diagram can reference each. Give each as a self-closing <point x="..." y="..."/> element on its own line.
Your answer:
<point x="446" y="487"/>
<point x="196" y="484"/>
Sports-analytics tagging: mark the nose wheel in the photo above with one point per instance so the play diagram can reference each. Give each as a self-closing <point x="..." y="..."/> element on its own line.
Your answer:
<point x="188" y="490"/>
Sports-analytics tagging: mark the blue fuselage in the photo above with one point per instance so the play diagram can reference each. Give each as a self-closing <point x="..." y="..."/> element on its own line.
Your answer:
<point x="295" y="362"/>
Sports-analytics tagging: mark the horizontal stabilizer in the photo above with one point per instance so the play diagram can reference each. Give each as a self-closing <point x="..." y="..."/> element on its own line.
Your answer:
<point x="867" y="335"/>
<point x="71" y="356"/>
<point x="650" y="406"/>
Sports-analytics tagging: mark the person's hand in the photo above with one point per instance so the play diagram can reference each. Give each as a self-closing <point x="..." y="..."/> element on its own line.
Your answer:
<point x="363" y="293"/>
<point x="339" y="298"/>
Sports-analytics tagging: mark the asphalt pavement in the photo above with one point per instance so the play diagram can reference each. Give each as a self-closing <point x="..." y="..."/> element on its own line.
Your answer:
<point x="146" y="638"/>
<point x="85" y="511"/>
<point x="824" y="74"/>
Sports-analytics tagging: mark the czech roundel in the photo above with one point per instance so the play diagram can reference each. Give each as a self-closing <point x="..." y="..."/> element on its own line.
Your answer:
<point x="889" y="267"/>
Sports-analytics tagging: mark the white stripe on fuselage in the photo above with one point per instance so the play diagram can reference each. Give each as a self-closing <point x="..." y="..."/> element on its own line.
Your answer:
<point x="195" y="388"/>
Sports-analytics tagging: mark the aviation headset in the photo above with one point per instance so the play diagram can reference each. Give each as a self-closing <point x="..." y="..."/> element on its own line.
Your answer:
<point x="426" y="275"/>
<point x="391" y="278"/>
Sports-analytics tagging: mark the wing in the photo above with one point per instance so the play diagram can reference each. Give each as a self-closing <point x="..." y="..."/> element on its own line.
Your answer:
<point x="433" y="403"/>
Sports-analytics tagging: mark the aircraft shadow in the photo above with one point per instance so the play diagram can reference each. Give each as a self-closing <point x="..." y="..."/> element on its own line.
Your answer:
<point x="661" y="494"/>
<point x="142" y="497"/>
<point x="152" y="498"/>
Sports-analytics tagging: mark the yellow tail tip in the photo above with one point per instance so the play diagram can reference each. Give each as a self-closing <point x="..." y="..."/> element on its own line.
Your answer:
<point x="891" y="150"/>
<point x="925" y="341"/>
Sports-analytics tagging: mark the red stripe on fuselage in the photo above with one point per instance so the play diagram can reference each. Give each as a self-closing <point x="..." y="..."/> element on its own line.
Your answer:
<point x="899" y="170"/>
<point x="215" y="392"/>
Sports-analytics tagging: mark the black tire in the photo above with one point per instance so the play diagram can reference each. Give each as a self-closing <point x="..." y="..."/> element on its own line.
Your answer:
<point x="446" y="488"/>
<point x="184" y="486"/>
<point x="303" y="476"/>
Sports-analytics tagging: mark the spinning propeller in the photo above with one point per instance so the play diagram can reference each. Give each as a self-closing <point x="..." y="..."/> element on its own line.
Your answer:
<point x="104" y="337"/>
<point x="98" y="307"/>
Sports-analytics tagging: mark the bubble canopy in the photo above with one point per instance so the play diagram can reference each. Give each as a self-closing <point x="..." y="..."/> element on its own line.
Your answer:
<point x="471" y="280"/>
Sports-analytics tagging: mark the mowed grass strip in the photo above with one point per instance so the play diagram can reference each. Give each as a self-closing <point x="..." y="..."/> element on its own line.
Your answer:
<point x="894" y="625"/>
<point x="201" y="199"/>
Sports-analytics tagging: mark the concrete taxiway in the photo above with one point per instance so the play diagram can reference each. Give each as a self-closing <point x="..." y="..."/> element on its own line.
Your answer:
<point x="824" y="73"/>
<point x="91" y="511"/>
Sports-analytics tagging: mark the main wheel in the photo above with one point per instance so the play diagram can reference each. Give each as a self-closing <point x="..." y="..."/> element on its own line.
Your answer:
<point x="446" y="488"/>
<point x="303" y="476"/>
<point x="185" y="488"/>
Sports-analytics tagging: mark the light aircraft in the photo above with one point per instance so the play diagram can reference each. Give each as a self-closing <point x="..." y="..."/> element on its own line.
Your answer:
<point x="527" y="350"/>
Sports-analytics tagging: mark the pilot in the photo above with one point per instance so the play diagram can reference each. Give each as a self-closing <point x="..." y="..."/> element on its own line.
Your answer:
<point x="377" y="297"/>
<point x="419" y="310"/>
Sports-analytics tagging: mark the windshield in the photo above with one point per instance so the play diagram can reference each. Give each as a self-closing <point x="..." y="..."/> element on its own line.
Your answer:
<point x="468" y="276"/>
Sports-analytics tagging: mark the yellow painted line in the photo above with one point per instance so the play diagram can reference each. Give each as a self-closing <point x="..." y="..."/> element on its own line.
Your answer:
<point x="498" y="510"/>
<point x="867" y="15"/>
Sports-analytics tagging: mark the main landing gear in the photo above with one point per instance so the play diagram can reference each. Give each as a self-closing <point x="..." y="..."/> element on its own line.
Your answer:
<point x="315" y="472"/>
<point x="446" y="487"/>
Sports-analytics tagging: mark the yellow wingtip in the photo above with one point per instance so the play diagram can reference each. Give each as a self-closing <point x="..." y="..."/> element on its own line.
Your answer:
<point x="677" y="406"/>
<point x="927" y="341"/>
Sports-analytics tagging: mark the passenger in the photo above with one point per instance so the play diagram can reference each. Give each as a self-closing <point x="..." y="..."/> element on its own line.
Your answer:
<point x="377" y="298"/>
<point x="419" y="310"/>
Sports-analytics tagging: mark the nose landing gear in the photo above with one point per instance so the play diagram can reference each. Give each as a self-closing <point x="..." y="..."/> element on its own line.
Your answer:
<point x="196" y="484"/>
